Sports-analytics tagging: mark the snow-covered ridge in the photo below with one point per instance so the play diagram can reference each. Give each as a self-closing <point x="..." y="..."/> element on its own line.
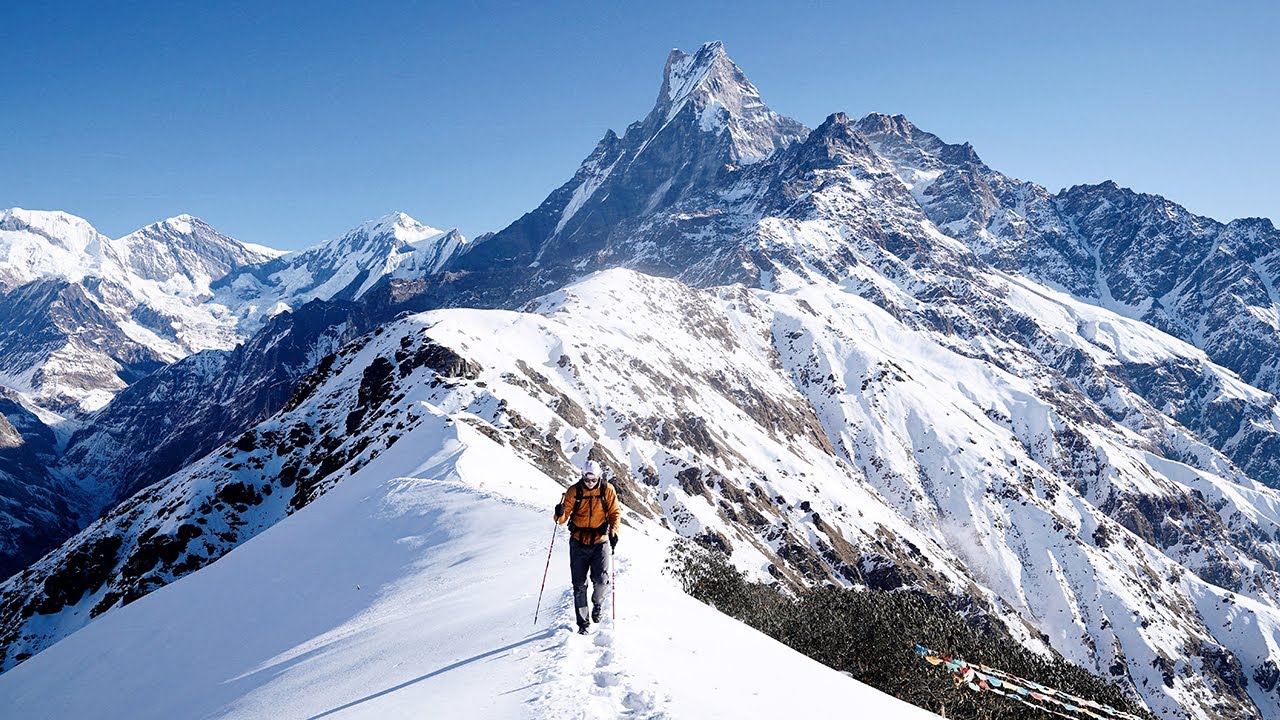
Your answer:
<point x="428" y="605"/>
<point x="786" y="426"/>
<point x="36" y="243"/>
<point x="64" y="230"/>
<point x="44" y="244"/>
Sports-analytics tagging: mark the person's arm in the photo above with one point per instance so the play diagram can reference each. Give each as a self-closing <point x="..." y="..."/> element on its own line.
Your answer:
<point x="614" y="515"/>
<point x="563" y="510"/>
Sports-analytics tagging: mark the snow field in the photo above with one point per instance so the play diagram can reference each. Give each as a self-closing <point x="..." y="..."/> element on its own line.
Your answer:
<point x="408" y="591"/>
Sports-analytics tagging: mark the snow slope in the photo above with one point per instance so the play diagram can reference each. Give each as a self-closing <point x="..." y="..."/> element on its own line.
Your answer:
<point x="408" y="591"/>
<point x="817" y="436"/>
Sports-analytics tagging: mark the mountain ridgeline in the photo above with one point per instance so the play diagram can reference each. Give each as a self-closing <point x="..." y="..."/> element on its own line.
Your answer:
<point x="851" y="355"/>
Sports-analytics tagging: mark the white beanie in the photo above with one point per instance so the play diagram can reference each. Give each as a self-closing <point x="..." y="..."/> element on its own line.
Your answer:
<point x="592" y="468"/>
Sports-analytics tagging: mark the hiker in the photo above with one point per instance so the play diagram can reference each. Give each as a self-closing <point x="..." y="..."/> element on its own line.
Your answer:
<point x="590" y="506"/>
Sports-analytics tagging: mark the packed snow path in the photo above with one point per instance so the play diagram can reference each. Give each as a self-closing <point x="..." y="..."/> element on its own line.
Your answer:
<point x="414" y="597"/>
<point x="586" y="675"/>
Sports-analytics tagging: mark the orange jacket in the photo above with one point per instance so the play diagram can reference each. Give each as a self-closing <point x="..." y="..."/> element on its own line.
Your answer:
<point x="593" y="518"/>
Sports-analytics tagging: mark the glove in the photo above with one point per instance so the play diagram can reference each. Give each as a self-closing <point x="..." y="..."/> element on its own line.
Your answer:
<point x="613" y="541"/>
<point x="559" y="509"/>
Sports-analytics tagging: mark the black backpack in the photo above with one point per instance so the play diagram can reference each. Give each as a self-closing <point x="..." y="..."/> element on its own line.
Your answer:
<point x="593" y="532"/>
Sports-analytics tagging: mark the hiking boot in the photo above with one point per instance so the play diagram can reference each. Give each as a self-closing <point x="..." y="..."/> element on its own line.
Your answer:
<point x="582" y="628"/>
<point x="595" y="613"/>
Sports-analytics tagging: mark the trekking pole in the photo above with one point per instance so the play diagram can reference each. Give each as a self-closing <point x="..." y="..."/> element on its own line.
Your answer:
<point x="613" y="587"/>
<point x="544" y="573"/>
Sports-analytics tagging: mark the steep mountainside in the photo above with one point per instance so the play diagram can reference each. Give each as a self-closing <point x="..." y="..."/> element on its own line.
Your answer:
<point x="419" y="574"/>
<point x="791" y="430"/>
<point x="35" y="512"/>
<point x="181" y="412"/>
<point x="1208" y="283"/>
<point x="63" y="350"/>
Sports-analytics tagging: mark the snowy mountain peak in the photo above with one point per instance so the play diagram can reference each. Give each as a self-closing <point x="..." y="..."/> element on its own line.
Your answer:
<point x="183" y="224"/>
<point x="68" y="232"/>
<point x="684" y="73"/>
<point x="900" y="140"/>
<point x="50" y="219"/>
<point x="721" y="99"/>
<point x="343" y="268"/>
<point x="187" y="224"/>
<point x="399" y="226"/>
<point x="373" y="241"/>
<point x="835" y="143"/>
<point x="708" y="122"/>
<point x="186" y="246"/>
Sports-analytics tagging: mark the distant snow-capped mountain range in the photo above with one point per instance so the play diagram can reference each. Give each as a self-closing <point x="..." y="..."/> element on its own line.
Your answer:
<point x="105" y="312"/>
<point x="205" y="335"/>
<point x="870" y="359"/>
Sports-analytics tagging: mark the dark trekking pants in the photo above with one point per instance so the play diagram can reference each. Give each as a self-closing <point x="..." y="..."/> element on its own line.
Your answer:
<point x="598" y="559"/>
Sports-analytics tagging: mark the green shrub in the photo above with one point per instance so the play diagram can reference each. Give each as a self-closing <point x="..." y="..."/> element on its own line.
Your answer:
<point x="872" y="634"/>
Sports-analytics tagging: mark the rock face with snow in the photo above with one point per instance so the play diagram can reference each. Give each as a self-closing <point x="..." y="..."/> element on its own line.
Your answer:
<point x="789" y="429"/>
<point x="35" y="507"/>
<point x="85" y="315"/>
<point x="184" y="252"/>
<point x="708" y="122"/>
<point x="178" y="414"/>
<point x="901" y="369"/>
<point x="391" y="247"/>
<point x="1209" y="283"/>
<point x="1205" y="282"/>
<point x="64" y="349"/>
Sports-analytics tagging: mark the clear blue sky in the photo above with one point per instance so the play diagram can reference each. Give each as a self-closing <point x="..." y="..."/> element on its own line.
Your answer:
<point x="286" y="123"/>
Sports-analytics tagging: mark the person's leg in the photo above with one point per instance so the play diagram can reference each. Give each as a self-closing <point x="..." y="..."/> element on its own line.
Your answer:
<point x="601" y="568"/>
<point x="579" y="563"/>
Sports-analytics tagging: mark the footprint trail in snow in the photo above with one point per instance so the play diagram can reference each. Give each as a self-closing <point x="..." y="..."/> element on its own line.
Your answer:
<point x="584" y="676"/>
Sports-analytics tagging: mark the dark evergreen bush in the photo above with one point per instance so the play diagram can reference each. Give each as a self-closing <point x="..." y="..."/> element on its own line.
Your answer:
<point x="872" y="634"/>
